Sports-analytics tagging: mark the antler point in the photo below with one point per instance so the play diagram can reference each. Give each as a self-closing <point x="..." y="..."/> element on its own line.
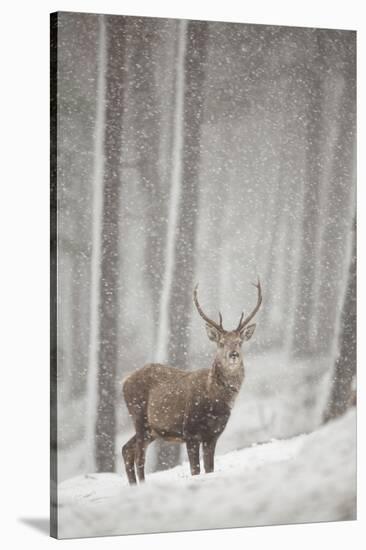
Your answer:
<point x="203" y="315"/>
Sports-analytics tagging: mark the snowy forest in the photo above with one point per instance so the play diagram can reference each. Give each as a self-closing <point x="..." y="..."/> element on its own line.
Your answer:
<point x="212" y="153"/>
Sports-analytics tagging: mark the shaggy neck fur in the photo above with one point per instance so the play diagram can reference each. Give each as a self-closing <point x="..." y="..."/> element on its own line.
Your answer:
<point x="226" y="379"/>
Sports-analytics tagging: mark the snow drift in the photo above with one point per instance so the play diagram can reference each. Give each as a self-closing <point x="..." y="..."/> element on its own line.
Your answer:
<point x="309" y="478"/>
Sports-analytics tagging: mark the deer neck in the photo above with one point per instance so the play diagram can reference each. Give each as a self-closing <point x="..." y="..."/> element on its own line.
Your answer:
<point x="222" y="379"/>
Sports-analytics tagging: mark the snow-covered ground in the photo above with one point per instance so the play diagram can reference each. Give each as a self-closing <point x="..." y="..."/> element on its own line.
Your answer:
<point x="308" y="478"/>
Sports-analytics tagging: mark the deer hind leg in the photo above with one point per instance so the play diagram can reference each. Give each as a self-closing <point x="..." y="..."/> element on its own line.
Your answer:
<point x="209" y="455"/>
<point x="193" y="450"/>
<point x="129" y="456"/>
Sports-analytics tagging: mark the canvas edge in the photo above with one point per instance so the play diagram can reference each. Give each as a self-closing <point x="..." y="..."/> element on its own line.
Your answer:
<point x="53" y="274"/>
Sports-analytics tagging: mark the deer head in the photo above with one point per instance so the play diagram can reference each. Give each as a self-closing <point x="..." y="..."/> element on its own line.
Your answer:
<point x="229" y="343"/>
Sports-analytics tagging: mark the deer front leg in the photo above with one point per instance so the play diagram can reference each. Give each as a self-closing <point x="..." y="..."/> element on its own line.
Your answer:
<point x="209" y="454"/>
<point x="140" y="458"/>
<point x="193" y="450"/>
<point x="129" y="454"/>
<point x="142" y="442"/>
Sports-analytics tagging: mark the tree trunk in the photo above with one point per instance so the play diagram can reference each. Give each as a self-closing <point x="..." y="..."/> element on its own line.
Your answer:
<point x="96" y="246"/>
<point x="182" y="284"/>
<point x="345" y="366"/>
<point x="110" y="268"/>
<point x="282" y="211"/>
<point x="303" y="336"/>
<point x="180" y="296"/>
<point x="336" y="228"/>
<point x="147" y="126"/>
<point x="293" y="170"/>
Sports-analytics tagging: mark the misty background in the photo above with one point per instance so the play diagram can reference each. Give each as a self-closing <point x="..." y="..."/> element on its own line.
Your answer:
<point x="207" y="152"/>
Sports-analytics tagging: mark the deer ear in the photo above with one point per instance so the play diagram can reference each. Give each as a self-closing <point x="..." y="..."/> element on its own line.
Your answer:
<point x="247" y="332"/>
<point x="212" y="333"/>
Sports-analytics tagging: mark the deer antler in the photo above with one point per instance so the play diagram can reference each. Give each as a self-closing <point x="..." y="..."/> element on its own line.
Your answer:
<point x="204" y="317"/>
<point x="242" y="323"/>
<point x="241" y="318"/>
<point x="220" y="317"/>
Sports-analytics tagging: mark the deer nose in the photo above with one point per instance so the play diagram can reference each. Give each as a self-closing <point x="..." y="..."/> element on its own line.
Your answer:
<point x="233" y="354"/>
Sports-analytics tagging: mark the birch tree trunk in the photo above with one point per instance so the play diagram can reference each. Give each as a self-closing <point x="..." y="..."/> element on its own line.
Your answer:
<point x="161" y="354"/>
<point x="293" y="162"/>
<point x="166" y="454"/>
<point x="182" y="283"/>
<point x="303" y="336"/>
<point x="339" y="199"/>
<point x="193" y="54"/>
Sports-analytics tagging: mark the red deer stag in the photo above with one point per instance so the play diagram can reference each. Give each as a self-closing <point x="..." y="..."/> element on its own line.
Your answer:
<point x="187" y="407"/>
